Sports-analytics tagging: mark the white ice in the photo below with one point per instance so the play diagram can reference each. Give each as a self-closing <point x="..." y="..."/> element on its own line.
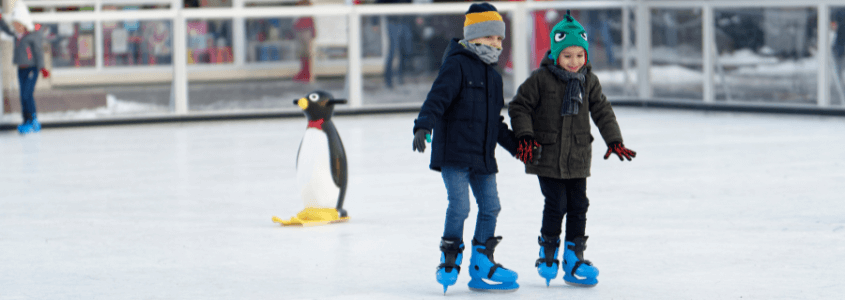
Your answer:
<point x="715" y="206"/>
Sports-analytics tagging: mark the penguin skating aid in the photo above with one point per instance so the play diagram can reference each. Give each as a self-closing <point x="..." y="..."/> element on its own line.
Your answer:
<point x="321" y="173"/>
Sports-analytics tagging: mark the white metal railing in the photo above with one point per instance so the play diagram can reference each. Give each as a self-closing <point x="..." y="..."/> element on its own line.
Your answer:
<point x="519" y="32"/>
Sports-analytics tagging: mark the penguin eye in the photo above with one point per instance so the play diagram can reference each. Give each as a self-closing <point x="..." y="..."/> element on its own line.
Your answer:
<point x="584" y="35"/>
<point x="313" y="97"/>
<point x="559" y="36"/>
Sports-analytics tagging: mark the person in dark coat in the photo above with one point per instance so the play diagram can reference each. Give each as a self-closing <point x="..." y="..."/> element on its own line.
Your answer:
<point x="550" y="115"/>
<point x="399" y="32"/>
<point x="463" y="112"/>
<point x="839" y="42"/>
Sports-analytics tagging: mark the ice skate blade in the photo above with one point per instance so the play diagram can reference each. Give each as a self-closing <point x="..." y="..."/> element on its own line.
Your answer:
<point x="479" y="285"/>
<point x="584" y="285"/>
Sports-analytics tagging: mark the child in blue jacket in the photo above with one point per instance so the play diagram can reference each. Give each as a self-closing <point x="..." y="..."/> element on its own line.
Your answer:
<point x="463" y="111"/>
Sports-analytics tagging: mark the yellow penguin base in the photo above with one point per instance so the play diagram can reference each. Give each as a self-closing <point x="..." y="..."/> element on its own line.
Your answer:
<point x="311" y="216"/>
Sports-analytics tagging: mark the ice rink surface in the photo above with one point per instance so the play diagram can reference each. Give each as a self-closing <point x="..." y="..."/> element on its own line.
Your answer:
<point x="715" y="206"/>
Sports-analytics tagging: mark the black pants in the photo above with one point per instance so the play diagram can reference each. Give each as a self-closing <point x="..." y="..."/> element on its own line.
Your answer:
<point x="564" y="197"/>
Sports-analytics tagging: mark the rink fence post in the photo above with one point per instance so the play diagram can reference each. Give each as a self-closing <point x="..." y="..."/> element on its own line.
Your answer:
<point x="823" y="56"/>
<point x="643" y="42"/>
<point x="239" y="29"/>
<point x="520" y="43"/>
<point x="179" y="101"/>
<point x="708" y="45"/>
<point x="354" y="59"/>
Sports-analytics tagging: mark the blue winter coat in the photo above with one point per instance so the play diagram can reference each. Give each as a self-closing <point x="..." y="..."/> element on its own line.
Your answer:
<point x="464" y="110"/>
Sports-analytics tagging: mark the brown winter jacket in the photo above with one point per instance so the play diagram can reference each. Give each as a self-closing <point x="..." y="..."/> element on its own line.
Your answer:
<point x="566" y="140"/>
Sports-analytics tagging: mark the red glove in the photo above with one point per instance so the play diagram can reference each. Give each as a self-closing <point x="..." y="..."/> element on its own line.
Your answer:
<point x="528" y="150"/>
<point x="45" y="73"/>
<point x="620" y="151"/>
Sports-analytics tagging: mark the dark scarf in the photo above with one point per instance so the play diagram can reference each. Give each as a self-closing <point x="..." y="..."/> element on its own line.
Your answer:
<point x="573" y="95"/>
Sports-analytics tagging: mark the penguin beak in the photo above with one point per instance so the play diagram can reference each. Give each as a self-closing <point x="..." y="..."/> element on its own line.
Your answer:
<point x="337" y="101"/>
<point x="302" y="102"/>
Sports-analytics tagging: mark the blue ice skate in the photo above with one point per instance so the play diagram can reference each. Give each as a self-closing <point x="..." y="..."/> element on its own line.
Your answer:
<point x="486" y="274"/>
<point x="29" y="126"/>
<point x="36" y="126"/>
<point x="450" y="262"/>
<point x="547" y="264"/>
<point x="579" y="272"/>
<point x="25" y="128"/>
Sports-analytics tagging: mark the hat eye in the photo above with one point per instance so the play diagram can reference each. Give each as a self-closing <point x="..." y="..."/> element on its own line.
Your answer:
<point x="313" y="97"/>
<point x="584" y="35"/>
<point x="559" y="36"/>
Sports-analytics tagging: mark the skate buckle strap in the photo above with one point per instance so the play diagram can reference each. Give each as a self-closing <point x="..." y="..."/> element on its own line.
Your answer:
<point x="489" y="248"/>
<point x="549" y="248"/>
<point x="580" y="244"/>
<point x="450" y="249"/>
<point x="449" y="266"/>
<point x="578" y="264"/>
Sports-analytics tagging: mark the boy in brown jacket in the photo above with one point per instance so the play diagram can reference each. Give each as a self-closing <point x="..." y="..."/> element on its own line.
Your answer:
<point x="551" y="112"/>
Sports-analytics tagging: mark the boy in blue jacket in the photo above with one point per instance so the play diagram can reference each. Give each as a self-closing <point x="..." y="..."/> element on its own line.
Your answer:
<point x="463" y="110"/>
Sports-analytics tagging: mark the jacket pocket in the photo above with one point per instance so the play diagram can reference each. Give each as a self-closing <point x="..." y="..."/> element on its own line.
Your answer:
<point x="584" y="139"/>
<point x="546" y="138"/>
<point x="550" y="141"/>
<point x="582" y="152"/>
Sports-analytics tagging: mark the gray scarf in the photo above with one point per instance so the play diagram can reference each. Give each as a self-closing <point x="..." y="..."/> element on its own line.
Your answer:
<point x="488" y="54"/>
<point x="574" y="93"/>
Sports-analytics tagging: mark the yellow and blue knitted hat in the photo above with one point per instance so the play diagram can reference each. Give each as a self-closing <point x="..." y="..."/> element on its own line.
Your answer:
<point x="482" y="19"/>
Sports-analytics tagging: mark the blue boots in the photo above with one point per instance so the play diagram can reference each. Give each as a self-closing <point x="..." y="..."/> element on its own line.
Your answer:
<point x="28" y="126"/>
<point x="578" y="271"/>
<point x="450" y="262"/>
<point x="547" y="264"/>
<point x="486" y="274"/>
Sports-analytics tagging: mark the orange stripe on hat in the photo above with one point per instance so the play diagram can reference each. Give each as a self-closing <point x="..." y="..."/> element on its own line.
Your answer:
<point x="474" y="18"/>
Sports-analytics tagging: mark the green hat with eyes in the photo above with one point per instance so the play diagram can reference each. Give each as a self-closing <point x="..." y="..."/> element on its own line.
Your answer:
<point x="568" y="32"/>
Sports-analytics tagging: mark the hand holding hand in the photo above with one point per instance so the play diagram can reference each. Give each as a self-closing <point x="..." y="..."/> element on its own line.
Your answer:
<point x="420" y="137"/>
<point x="45" y="73"/>
<point x="620" y="150"/>
<point x="529" y="150"/>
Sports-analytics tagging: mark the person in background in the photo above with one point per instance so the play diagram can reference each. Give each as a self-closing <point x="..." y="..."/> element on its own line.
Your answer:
<point x="305" y="33"/>
<point x="839" y="43"/>
<point x="29" y="57"/>
<point x="399" y="31"/>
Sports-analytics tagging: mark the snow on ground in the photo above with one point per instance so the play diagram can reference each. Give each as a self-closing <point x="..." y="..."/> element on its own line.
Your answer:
<point x="715" y="206"/>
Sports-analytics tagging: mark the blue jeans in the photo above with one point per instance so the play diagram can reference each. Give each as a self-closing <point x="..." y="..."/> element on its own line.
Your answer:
<point x="458" y="181"/>
<point x="400" y="41"/>
<point x="27" y="78"/>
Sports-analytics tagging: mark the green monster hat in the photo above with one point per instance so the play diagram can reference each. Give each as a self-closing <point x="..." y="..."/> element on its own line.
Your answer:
<point x="568" y="32"/>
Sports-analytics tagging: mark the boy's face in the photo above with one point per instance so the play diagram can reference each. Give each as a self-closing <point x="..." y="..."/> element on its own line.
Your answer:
<point x="572" y="58"/>
<point x="494" y="41"/>
<point x="19" y="27"/>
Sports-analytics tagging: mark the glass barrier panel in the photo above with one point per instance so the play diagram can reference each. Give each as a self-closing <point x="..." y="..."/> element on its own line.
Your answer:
<point x="134" y="42"/>
<point x="764" y="55"/>
<point x="402" y="54"/>
<point x="209" y="41"/>
<point x="676" y="56"/>
<point x="71" y="44"/>
<point x="285" y="59"/>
